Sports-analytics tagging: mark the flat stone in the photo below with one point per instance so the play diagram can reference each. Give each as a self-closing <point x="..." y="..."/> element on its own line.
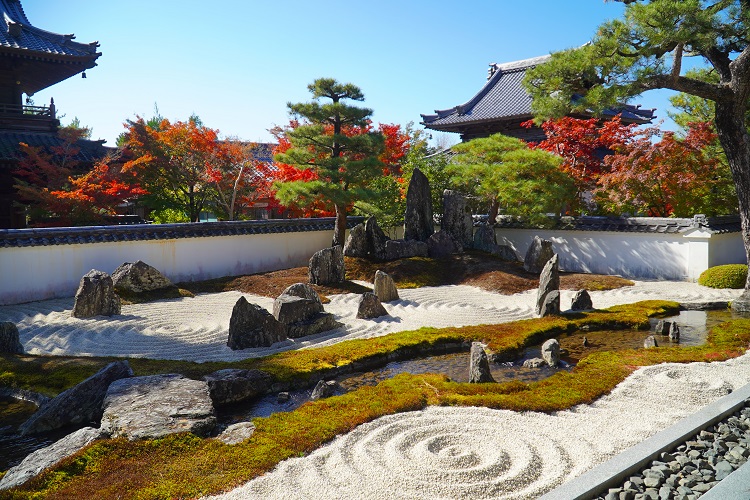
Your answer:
<point x="10" y="342"/>
<point x="233" y="385"/>
<point x="155" y="406"/>
<point x="384" y="287"/>
<point x="403" y="249"/>
<point x="303" y="290"/>
<point x="44" y="458"/>
<point x="81" y="404"/>
<point x="96" y="296"/>
<point x="534" y="363"/>
<point x="237" y="433"/>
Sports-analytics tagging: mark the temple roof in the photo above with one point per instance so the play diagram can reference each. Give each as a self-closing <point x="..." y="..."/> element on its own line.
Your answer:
<point x="89" y="151"/>
<point x="20" y="39"/>
<point x="504" y="99"/>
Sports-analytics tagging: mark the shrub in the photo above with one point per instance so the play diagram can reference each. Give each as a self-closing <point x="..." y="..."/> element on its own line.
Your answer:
<point x="728" y="276"/>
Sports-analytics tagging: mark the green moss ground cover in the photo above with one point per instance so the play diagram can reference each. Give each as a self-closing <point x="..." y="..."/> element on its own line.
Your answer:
<point x="184" y="466"/>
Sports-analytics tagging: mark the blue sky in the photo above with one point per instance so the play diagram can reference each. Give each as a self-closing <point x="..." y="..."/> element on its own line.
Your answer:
<point x="237" y="63"/>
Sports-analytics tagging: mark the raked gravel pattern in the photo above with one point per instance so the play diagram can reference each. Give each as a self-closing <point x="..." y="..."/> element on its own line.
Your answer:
<point x="197" y="328"/>
<point x="458" y="452"/>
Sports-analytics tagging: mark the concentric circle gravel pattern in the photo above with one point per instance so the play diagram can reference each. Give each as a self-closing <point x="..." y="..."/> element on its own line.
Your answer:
<point x="197" y="328"/>
<point x="482" y="453"/>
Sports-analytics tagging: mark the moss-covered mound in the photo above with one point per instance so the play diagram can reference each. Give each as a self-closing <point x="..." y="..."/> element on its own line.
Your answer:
<point x="728" y="276"/>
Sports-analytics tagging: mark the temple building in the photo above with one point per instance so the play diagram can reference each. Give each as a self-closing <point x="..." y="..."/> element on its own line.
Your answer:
<point x="503" y="104"/>
<point x="31" y="60"/>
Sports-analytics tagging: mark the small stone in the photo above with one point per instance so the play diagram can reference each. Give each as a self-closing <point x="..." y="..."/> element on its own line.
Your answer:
<point x="237" y="433"/>
<point x="551" y="352"/>
<point x="233" y="385"/>
<point x="370" y="307"/>
<point x="479" y="366"/>
<point x="138" y="277"/>
<point x="324" y="389"/>
<point x="534" y="363"/>
<point x="283" y="397"/>
<point x="539" y="253"/>
<point x="650" y="342"/>
<point x="581" y="301"/>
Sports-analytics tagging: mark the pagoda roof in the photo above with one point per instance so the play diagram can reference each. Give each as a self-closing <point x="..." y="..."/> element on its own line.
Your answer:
<point x="20" y="39"/>
<point x="504" y="99"/>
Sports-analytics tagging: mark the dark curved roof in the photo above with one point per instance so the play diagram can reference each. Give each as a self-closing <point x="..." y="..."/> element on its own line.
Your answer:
<point x="97" y="234"/>
<point x="503" y="98"/>
<point x="664" y="225"/>
<point x="89" y="151"/>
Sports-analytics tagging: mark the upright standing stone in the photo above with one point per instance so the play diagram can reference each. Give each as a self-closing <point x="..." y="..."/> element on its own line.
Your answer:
<point x="10" y="342"/>
<point x="253" y="326"/>
<point x="581" y="301"/>
<point x="650" y="342"/>
<point x="549" y="280"/>
<point x="551" y="304"/>
<point x="96" y="296"/>
<point x="327" y="266"/>
<point x="479" y="365"/>
<point x="674" y="332"/>
<point x="418" y="224"/>
<point x="376" y="238"/>
<point x="539" y="252"/>
<point x="384" y="287"/>
<point x="457" y="218"/>
<point x="551" y="352"/>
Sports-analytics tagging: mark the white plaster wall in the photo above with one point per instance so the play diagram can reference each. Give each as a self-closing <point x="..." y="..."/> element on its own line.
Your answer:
<point x="42" y="272"/>
<point x="726" y="249"/>
<point x="632" y="255"/>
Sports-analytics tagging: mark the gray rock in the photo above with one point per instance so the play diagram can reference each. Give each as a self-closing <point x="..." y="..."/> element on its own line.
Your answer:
<point x="581" y="301"/>
<point x="551" y="304"/>
<point x="674" y="332"/>
<point x="442" y="244"/>
<point x="96" y="296"/>
<point x="139" y="277"/>
<point x="538" y="254"/>
<point x="403" y="249"/>
<point x="479" y="365"/>
<point x="44" y="458"/>
<point x="157" y="405"/>
<point x="723" y="469"/>
<point x="742" y="303"/>
<point x="237" y="433"/>
<point x="324" y="390"/>
<point x="81" y="404"/>
<point x="10" y="341"/>
<point x="650" y="342"/>
<point x="283" y="397"/>
<point x="384" y="287"/>
<point x="534" y="363"/>
<point x="662" y="327"/>
<point x="457" y="219"/>
<point x="370" y="307"/>
<point x="327" y="266"/>
<point x="549" y="281"/>
<point x="321" y="322"/>
<point x="303" y="290"/>
<point x="253" y="326"/>
<point x="418" y="224"/>
<point x="366" y="240"/>
<point x="233" y="385"/>
<point x="551" y="352"/>
<point x="486" y="241"/>
<point x="288" y="309"/>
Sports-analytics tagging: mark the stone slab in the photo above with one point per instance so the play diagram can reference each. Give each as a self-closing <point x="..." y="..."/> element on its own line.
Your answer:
<point x="615" y="470"/>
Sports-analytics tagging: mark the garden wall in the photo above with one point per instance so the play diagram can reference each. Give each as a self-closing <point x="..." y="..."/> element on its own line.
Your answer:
<point x="38" y="264"/>
<point x="679" y="255"/>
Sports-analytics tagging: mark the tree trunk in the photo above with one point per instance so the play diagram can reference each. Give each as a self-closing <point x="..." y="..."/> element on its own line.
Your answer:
<point x="339" y="229"/>
<point x="494" y="209"/>
<point x="734" y="138"/>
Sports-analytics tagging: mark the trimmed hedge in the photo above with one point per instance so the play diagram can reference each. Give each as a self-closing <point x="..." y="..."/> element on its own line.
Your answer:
<point x="727" y="276"/>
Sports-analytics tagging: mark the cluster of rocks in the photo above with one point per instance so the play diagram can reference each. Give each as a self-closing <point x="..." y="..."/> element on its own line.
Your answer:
<point x="367" y="240"/>
<point x="663" y="328"/>
<point x="97" y="293"/>
<point x="550" y="356"/>
<point x="694" y="467"/>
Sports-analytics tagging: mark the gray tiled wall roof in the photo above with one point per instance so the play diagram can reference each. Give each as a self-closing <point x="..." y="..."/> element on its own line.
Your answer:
<point x="663" y="225"/>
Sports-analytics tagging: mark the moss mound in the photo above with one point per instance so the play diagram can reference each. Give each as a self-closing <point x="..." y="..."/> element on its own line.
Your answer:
<point x="727" y="276"/>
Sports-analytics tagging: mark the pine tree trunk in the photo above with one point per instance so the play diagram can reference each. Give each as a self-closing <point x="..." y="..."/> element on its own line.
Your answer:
<point x="734" y="138"/>
<point x="494" y="209"/>
<point x="339" y="229"/>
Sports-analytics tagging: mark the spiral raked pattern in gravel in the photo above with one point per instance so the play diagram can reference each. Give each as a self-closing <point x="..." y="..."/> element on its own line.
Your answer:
<point x="435" y="453"/>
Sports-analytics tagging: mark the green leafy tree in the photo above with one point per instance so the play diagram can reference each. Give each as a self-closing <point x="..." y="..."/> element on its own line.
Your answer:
<point x="645" y="50"/>
<point x="333" y="141"/>
<point x="506" y="174"/>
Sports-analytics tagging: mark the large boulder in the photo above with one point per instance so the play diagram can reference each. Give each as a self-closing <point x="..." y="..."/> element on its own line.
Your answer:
<point x="289" y="309"/>
<point x="10" y="341"/>
<point x="327" y="266"/>
<point x="442" y="244"/>
<point x="44" y="458"/>
<point x="253" y="326"/>
<point x="403" y="249"/>
<point x="457" y="219"/>
<point x="486" y="241"/>
<point x="539" y="253"/>
<point x="138" y="277"/>
<point x="370" y="307"/>
<point x="300" y="311"/>
<point x="581" y="301"/>
<point x="81" y="404"/>
<point x="155" y="406"/>
<point x="384" y="287"/>
<point x="233" y="385"/>
<point x="96" y="296"/>
<point x="479" y="365"/>
<point x="549" y="281"/>
<point x="366" y="240"/>
<point x="303" y="290"/>
<point x="418" y="223"/>
<point x="551" y="352"/>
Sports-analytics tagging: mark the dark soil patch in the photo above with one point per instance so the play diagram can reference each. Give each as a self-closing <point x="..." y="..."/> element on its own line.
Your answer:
<point x="472" y="268"/>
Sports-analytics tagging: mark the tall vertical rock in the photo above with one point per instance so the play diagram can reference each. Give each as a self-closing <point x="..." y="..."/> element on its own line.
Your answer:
<point x="549" y="281"/>
<point x="539" y="252"/>
<point x="418" y="224"/>
<point x="457" y="218"/>
<point x="327" y="266"/>
<point x="96" y="296"/>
